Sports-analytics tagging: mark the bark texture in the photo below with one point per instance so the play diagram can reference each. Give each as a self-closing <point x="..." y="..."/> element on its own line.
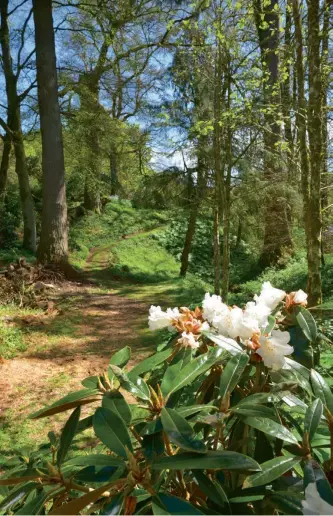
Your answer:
<point x="277" y="236"/>
<point x="14" y="124"/>
<point x="53" y="245"/>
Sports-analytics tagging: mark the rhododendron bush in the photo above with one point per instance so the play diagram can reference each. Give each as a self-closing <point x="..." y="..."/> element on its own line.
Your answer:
<point x="229" y="417"/>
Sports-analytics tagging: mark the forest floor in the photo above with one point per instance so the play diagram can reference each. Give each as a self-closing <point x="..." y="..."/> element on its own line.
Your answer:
<point x="94" y="320"/>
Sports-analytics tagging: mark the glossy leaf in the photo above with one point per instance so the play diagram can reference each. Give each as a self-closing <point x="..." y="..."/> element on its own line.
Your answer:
<point x="180" y="431"/>
<point x="211" y="460"/>
<point x="115" y="506"/>
<point x="95" y="460"/>
<point x="28" y="474"/>
<point x="212" y="489"/>
<point x="173" y="382"/>
<point x="68" y="402"/>
<point x="167" y="504"/>
<point x="67" y="435"/>
<point x="254" y="410"/>
<point x="313" y="473"/>
<point x="307" y="323"/>
<point x="272" y="428"/>
<point x="35" y="505"/>
<point x="150" y="363"/>
<point x="84" y="424"/>
<point x="225" y="343"/>
<point x="114" y="400"/>
<point x="285" y="502"/>
<point x="136" y="386"/>
<point x="271" y="470"/>
<point x="16" y="495"/>
<point x="313" y="417"/>
<point x="232" y="373"/>
<point x="112" y="431"/>
<point x="91" y="382"/>
<point x="322" y="390"/>
<point x="76" y="505"/>
<point x="121" y="358"/>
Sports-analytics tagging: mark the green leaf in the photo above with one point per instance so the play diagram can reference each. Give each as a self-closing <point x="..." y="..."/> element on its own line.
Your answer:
<point x="111" y="430"/>
<point x="254" y="410"/>
<point x="136" y="386"/>
<point x="121" y="358"/>
<point x="313" y="417"/>
<point x="225" y="343"/>
<point x="28" y="474"/>
<point x="211" y="488"/>
<point x="35" y="505"/>
<point x="306" y="322"/>
<point x="259" y="397"/>
<point x="95" y="460"/>
<point x="173" y="382"/>
<point x="271" y="470"/>
<point x="232" y="373"/>
<point x="322" y="390"/>
<point x="150" y="363"/>
<point x="211" y="460"/>
<point x="85" y="423"/>
<point x="180" y="431"/>
<point x="313" y="473"/>
<point x="76" y="505"/>
<point x="91" y="382"/>
<point x="67" y="435"/>
<point x="270" y="427"/>
<point x="68" y="402"/>
<point x="271" y="324"/>
<point x="115" y="506"/>
<point x="16" y="495"/>
<point x="285" y="502"/>
<point x="167" y="504"/>
<point x="114" y="400"/>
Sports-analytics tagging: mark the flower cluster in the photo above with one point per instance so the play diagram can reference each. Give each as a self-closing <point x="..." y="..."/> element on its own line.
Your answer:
<point x="249" y="325"/>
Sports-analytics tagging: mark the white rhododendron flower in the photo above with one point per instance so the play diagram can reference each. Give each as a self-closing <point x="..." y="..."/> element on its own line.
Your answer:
<point x="229" y="322"/>
<point x="274" y="348"/>
<point x="159" y="319"/>
<point x="270" y="296"/>
<point x="188" y="340"/>
<point x="313" y="503"/>
<point x="258" y="311"/>
<point x="300" y="297"/>
<point x="213" y="306"/>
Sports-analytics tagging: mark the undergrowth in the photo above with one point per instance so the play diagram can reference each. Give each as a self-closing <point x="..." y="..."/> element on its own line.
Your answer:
<point x="11" y="341"/>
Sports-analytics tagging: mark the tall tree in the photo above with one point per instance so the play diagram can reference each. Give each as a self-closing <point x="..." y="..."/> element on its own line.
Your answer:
<point x="277" y="231"/>
<point x="14" y="130"/>
<point x="53" y="246"/>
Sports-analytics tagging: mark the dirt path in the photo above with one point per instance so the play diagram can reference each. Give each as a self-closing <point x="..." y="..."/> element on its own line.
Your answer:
<point x="78" y="342"/>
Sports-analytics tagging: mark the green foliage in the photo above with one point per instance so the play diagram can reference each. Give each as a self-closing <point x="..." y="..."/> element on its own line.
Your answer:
<point x="11" y="341"/>
<point x="194" y="417"/>
<point x="291" y="277"/>
<point x="243" y="264"/>
<point x="117" y="220"/>
<point x="10" y="218"/>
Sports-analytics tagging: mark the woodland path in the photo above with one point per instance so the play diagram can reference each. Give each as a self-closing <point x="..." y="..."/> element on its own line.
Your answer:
<point x="94" y="320"/>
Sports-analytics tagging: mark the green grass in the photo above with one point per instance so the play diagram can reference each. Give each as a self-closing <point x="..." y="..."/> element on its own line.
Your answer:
<point x="11" y="341"/>
<point x="117" y="219"/>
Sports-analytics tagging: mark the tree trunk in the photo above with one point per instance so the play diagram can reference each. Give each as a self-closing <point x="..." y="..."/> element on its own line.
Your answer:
<point x="53" y="245"/>
<point x="7" y="145"/>
<point x="315" y="146"/>
<point x="29" y="222"/>
<point x="217" y="251"/>
<point x="227" y="208"/>
<point x="14" y="123"/>
<point x="113" y="172"/>
<point x="286" y="98"/>
<point x="188" y="238"/>
<point x="277" y="237"/>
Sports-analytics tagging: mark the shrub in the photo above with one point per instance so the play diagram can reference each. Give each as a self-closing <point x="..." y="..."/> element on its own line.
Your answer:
<point x="207" y="425"/>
